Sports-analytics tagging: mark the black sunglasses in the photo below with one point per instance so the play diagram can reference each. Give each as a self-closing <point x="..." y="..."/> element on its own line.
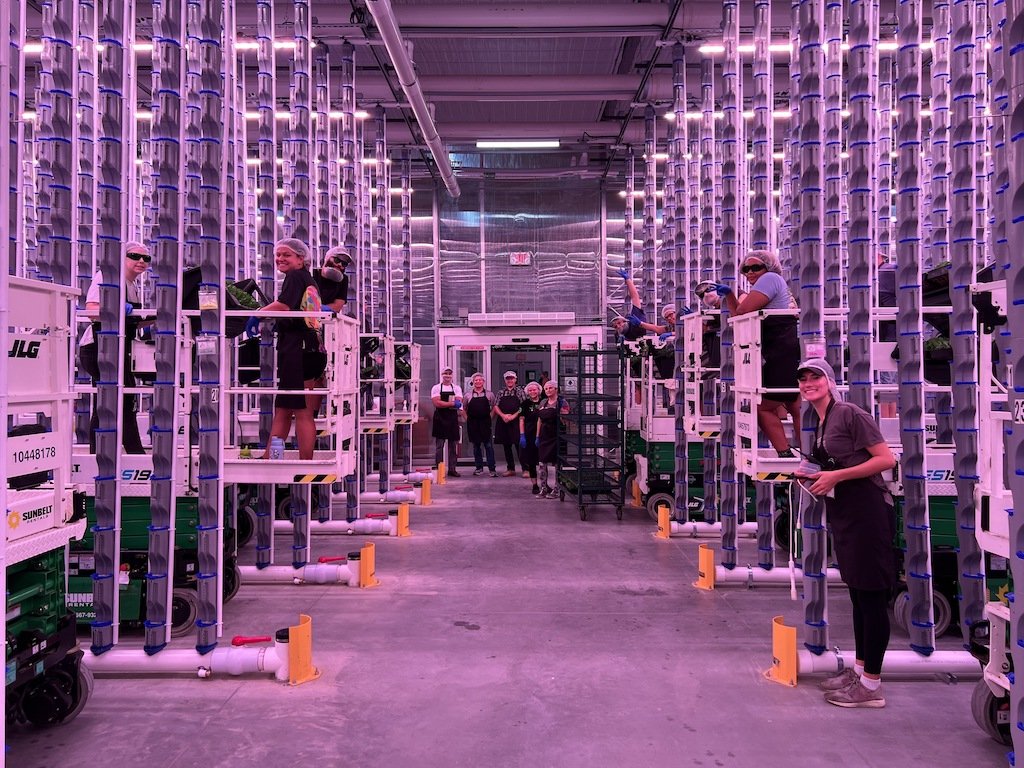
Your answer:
<point x="746" y="269"/>
<point x="139" y="257"/>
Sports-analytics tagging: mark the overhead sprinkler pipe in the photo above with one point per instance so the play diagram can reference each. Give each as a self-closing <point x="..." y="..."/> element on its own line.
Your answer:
<point x="384" y="18"/>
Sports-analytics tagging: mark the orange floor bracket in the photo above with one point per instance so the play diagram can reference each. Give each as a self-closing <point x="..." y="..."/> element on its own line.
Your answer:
<point x="784" y="659"/>
<point x="425" y="493"/>
<point x="705" y="567"/>
<point x="367" y="566"/>
<point x="300" y="652"/>
<point x="403" y="519"/>
<point x="442" y="473"/>
<point x="664" y="522"/>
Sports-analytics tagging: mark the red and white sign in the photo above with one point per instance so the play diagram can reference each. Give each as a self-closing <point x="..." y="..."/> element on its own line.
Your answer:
<point x="520" y="258"/>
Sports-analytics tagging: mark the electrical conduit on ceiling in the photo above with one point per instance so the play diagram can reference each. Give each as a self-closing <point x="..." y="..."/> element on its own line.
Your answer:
<point x="384" y="18"/>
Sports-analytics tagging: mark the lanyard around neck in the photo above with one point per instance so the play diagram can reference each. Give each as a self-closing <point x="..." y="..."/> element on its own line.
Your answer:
<point x="819" y="431"/>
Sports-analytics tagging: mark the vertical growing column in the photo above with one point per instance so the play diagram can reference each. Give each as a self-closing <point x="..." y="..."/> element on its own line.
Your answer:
<point x="382" y="307"/>
<point x="884" y="189"/>
<point x="321" y="70"/>
<point x="811" y="250"/>
<point x="835" y="338"/>
<point x="266" y="195"/>
<point x="627" y="243"/>
<point x="209" y="344"/>
<point x="707" y="252"/>
<point x="963" y="326"/>
<point x="114" y="159"/>
<point x="677" y="157"/>
<point x="860" y="63"/>
<point x="1000" y="109"/>
<point x="762" y="228"/>
<point x="908" y="323"/>
<point x="648" y="289"/>
<point x="86" y="236"/>
<point x="732" y="141"/>
<point x="405" y="311"/>
<point x="168" y="139"/>
<point x="60" y="33"/>
<point x="300" y="136"/>
<point x="664" y="294"/>
<point x="793" y="146"/>
<point x="1013" y="45"/>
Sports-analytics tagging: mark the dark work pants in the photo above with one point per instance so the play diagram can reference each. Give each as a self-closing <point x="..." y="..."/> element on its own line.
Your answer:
<point x="453" y="452"/>
<point x="870" y="626"/>
<point x="130" y="438"/>
<point x="510" y="457"/>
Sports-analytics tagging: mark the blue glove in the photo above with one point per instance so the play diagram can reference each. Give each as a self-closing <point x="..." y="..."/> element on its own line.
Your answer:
<point x="522" y="441"/>
<point x="458" y="404"/>
<point x="634" y="321"/>
<point x="623" y="273"/>
<point x="536" y="442"/>
<point x="252" y="327"/>
<point x="665" y="336"/>
<point x="722" y="290"/>
<point x="128" y="309"/>
<point x="145" y="333"/>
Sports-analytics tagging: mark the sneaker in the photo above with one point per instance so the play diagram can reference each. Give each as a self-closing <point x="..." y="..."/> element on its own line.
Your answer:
<point x="493" y="473"/>
<point x="786" y="454"/>
<point x="453" y="473"/>
<point x="536" y="490"/>
<point x="510" y="473"/>
<point x="526" y="474"/>
<point x="856" y="695"/>
<point x="844" y="679"/>
<point x="544" y="492"/>
<point x="478" y="472"/>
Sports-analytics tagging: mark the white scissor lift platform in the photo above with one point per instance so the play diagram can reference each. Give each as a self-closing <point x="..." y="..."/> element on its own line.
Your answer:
<point x="700" y="383"/>
<point x="990" y="703"/>
<point x="40" y="516"/>
<point x="327" y="466"/>
<point x="407" y="401"/>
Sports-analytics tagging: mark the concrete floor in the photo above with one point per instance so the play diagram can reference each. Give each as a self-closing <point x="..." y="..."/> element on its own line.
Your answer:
<point x="507" y="632"/>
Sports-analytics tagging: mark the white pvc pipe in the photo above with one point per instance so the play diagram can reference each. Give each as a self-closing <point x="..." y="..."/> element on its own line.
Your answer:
<point x="227" y="660"/>
<point x="959" y="663"/>
<point x="362" y="526"/>
<point x="314" y="573"/>
<point x="696" y="529"/>
<point x="412" y="477"/>
<point x="752" y="574"/>
<point x="371" y="497"/>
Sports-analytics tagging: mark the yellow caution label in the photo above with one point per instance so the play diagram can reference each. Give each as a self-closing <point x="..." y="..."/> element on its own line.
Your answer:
<point x="374" y="430"/>
<point x="768" y="477"/>
<point x="709" y="435"/>
<point x="314" y="478"/>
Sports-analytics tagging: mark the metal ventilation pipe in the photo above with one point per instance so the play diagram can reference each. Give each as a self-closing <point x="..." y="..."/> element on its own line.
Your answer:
<point x="384" y="18"/>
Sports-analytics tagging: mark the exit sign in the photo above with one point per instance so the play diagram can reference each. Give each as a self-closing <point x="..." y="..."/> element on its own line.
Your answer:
<point x="519" y="258"/>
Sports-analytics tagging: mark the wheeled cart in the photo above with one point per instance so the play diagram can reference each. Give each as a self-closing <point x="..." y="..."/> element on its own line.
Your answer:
<point x="591" y="449"/>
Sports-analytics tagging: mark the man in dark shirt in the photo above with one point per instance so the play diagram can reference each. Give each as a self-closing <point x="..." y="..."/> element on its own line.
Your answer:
<point x="331" y="279"/>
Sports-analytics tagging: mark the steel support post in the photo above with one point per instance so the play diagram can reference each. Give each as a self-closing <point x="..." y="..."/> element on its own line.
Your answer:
<point x="708" y="269"/>
<point x="681" y="282"/>
<point x="648" y="285"/>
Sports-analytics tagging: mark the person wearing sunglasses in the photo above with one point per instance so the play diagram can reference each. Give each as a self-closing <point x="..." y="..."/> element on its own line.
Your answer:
<point x="849" y="454"/>
<point x="780" y="344"/>
<point x="137" y="260"/>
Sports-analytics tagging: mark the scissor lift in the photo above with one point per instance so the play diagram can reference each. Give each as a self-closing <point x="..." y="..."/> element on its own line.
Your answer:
<point x="46" y="681"/>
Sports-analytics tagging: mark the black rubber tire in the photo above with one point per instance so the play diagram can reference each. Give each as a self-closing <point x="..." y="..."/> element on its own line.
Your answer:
<point x="561" y="494"/>
<point x="901" y="610"/>
<point x="630" y="479"/>
<point x="245" y="526"/>
<point x="232" y="580"/>
<point x="660" y="498"/>
<point x="618" y="513"/>
<point x="81" y="696"/>
<point x="583" y="512"/>
<point x="184" y="611"/>
<point x="782" y="532"/>
<point x="943" y="613"/>
<point x="986" y="708"/>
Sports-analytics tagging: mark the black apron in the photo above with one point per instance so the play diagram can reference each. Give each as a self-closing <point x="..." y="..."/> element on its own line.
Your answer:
<point x="507" y="433"/>
<point x="446" y="420"/>
<point x="863" y="524"/>
<point x="478" y="418"/>
<point x="547" y="431"/>
<point x="528" y="455"/>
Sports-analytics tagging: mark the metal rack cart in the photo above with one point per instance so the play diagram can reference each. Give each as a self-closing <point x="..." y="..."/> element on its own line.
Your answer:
<point x="591" y="449"/>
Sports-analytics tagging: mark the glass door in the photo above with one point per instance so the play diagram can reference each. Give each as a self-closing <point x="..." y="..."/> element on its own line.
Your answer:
<point x="465" y="361"/>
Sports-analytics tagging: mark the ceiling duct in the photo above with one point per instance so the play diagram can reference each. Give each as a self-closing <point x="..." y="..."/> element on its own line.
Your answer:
<point x="384" y="18"/>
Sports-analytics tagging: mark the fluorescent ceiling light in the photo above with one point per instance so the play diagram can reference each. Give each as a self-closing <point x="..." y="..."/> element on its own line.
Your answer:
<point x="518" y="144"/>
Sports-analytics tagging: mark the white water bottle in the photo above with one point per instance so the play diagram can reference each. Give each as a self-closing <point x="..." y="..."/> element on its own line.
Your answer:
<point x="276" y="448"/>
